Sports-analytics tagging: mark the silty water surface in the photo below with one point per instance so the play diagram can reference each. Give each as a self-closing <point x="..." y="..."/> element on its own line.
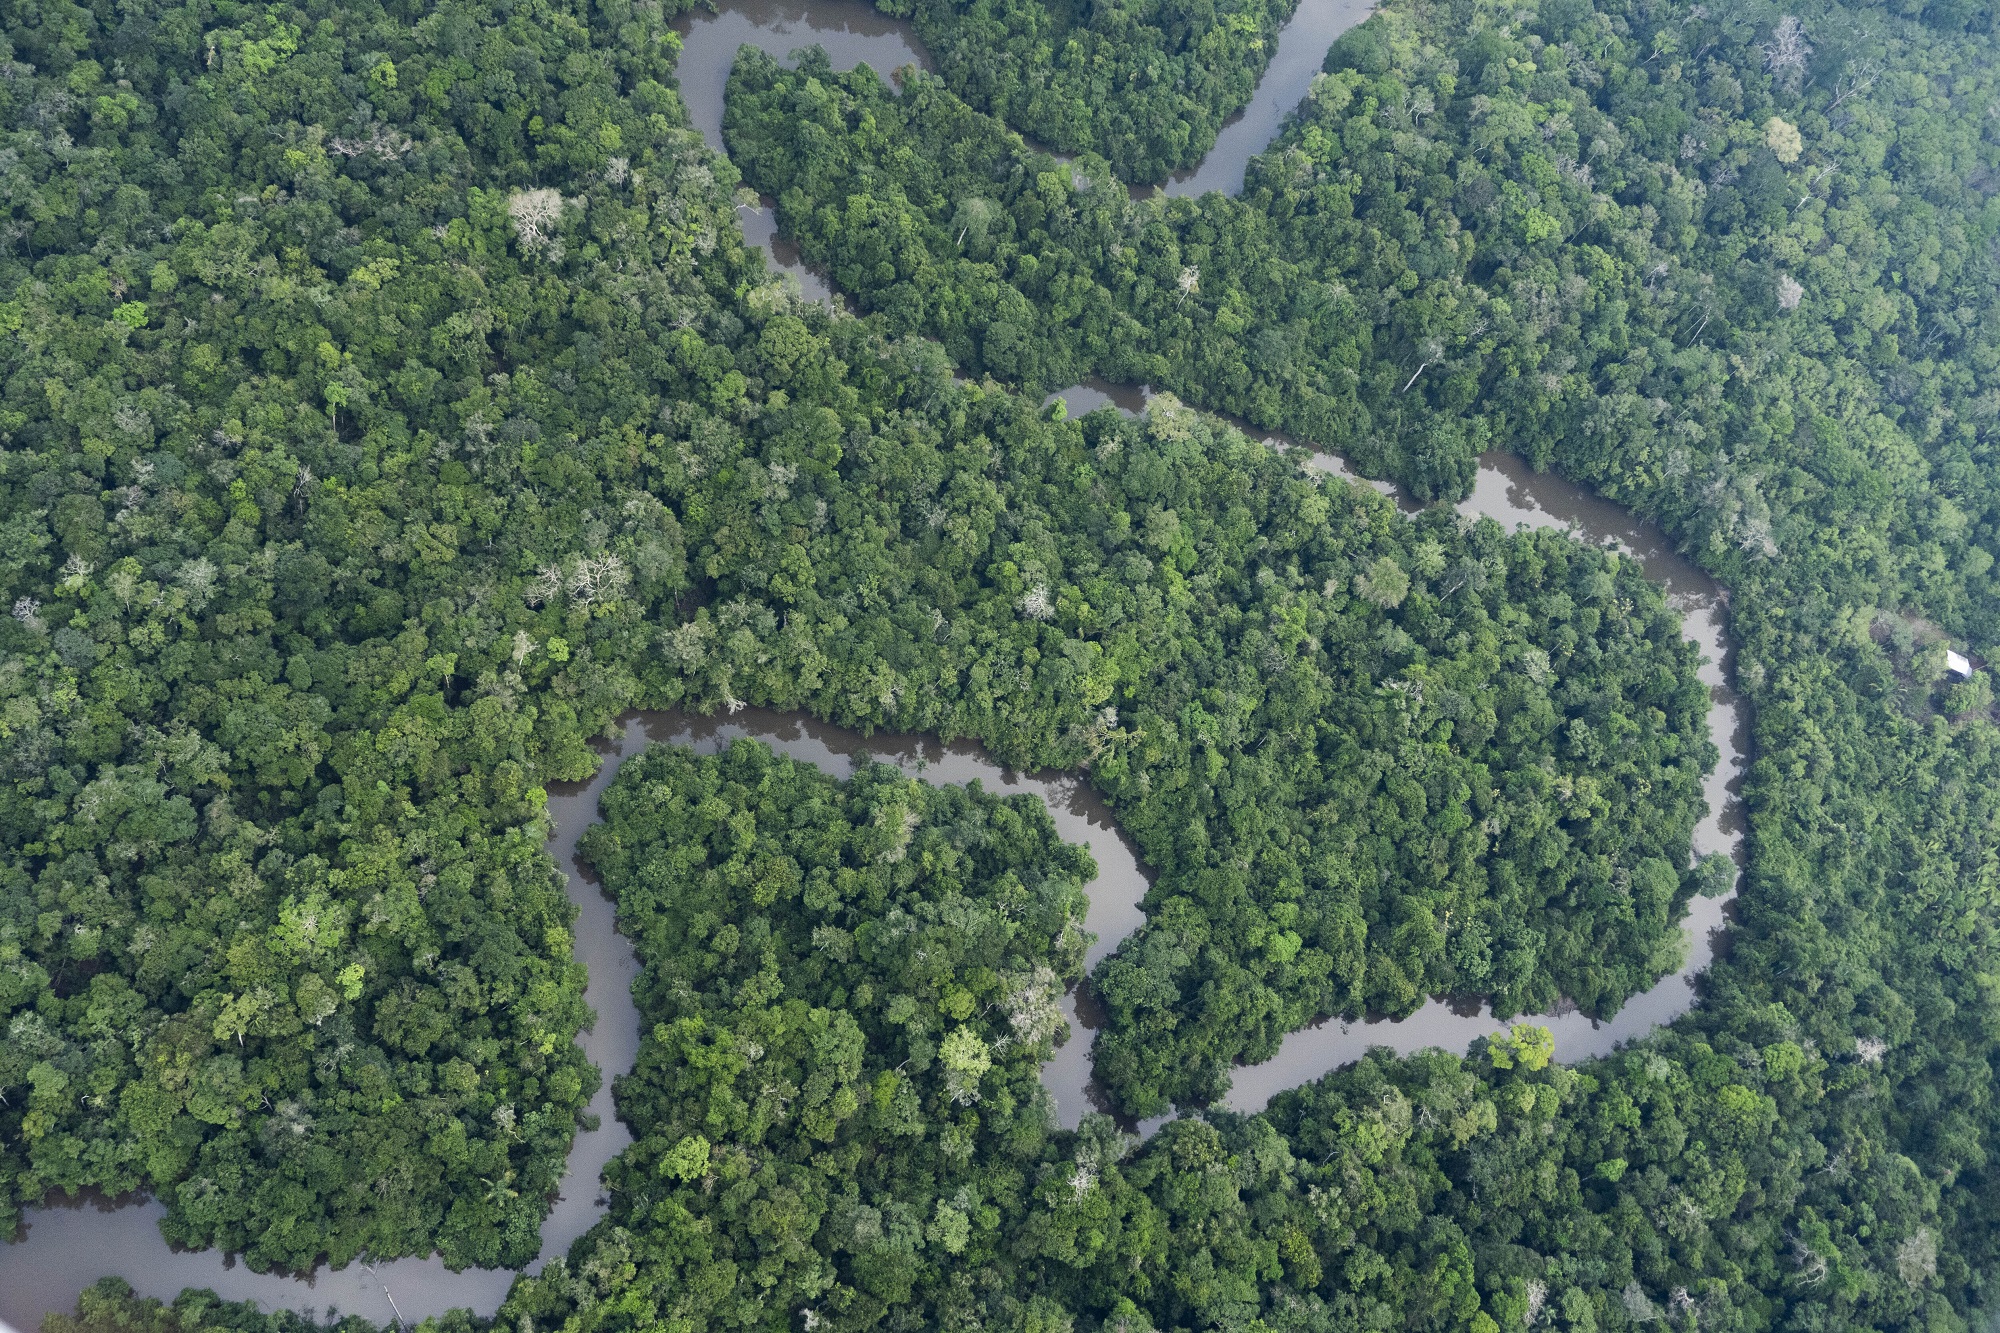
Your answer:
<point x="1513" y="495"/>
<point x="852" y="33"/>
<point x="68" y="1247"/>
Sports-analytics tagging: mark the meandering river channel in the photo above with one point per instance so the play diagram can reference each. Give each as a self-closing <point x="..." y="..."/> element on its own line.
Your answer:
<point x="68" y="1246"/>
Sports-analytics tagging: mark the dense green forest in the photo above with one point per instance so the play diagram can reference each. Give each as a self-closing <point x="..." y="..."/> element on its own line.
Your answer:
<point x="1506" y="734"/>
<point x="1145" y="85"/>
<point x="283" y="943"/>
<point x="348" y="497"/>
<point x="849" y="988"/>
<point x="1734" y="267"/>
<point x="305" y="606"/>
<point x="390" y="400"/>
<point x="1529" y="237"/>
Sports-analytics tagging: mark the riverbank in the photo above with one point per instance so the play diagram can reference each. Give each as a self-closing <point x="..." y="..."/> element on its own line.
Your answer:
<point x="69" y="1246"/>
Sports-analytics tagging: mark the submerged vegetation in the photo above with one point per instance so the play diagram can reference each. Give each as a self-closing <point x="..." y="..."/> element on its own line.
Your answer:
<point x="111" y="1306"/>
<point x="390" y="401"/>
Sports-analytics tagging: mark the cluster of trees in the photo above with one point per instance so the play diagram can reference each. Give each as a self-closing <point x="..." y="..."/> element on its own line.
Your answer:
<point x="849" y="984"/>
<point x="1734" y="268"/>
<point x="1495" y="235"/>
<point x="1702" y="1179"/>
<point x="390" y="400"/>
<point x="282" y="944"/>
<point x="1146" y="86"/>
<point x="1686" y="1183"/>
<point x="1369" y="758"/>
<point x="848" y="989"/>
<point x="1327" y="311"/>
<point x="389" y="404"/>
<point x="112" y="1307"/>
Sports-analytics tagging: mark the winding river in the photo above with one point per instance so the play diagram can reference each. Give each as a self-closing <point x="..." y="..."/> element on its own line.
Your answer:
<point x="1507" y="491"/>
<point x="69" y="1245"/>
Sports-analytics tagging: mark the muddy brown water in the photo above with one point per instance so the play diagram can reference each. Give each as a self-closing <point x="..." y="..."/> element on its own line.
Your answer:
<point x="66" y="1247"/>
<point x="69" y="1247"/>
<point x="1302" y="45"/>
<point x="1508" y="491"/>
<point x="854" y="33"/>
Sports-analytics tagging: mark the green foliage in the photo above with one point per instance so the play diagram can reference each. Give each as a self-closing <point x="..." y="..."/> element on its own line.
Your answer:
<point x="326" y="566"/>
<point x="1731" y="267"/>
<point x="1475" y="232"/>
<point x="1499" y="762"/>
<point x="282" y="941"/>
<point x="849" y="987"/>
<point x="1525" y="1045"/>
<point x="390" y="401"/>
<point x="322" y="568"/>
<point x="1145" y="86"/>
<point x="111" y="1307"/>
<point x="1042" y="273"/>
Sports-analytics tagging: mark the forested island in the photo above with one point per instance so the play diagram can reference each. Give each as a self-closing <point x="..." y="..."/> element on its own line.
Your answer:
<point x="389" y="402"/>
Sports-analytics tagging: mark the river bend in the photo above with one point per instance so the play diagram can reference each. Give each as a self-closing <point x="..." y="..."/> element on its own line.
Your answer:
<point x="68" y="1246"/>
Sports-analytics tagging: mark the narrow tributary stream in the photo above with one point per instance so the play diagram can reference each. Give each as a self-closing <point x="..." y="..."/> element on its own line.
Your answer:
<point x="69" y="1246"/>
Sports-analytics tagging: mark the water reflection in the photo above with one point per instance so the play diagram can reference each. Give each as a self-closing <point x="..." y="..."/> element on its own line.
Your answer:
<point x="1093" y="393"/>
<point x="760" y="227"/>
<point x="852" y="32"/>
<point x="1302" y="45"/>
<point x="71" y="1245"/>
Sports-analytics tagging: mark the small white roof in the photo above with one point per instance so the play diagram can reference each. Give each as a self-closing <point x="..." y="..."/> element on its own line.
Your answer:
<point x="1957" y="663"/>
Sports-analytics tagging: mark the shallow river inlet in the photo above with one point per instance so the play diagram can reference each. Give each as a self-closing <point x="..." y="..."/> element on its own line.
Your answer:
<point x="67" y="1247"/>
